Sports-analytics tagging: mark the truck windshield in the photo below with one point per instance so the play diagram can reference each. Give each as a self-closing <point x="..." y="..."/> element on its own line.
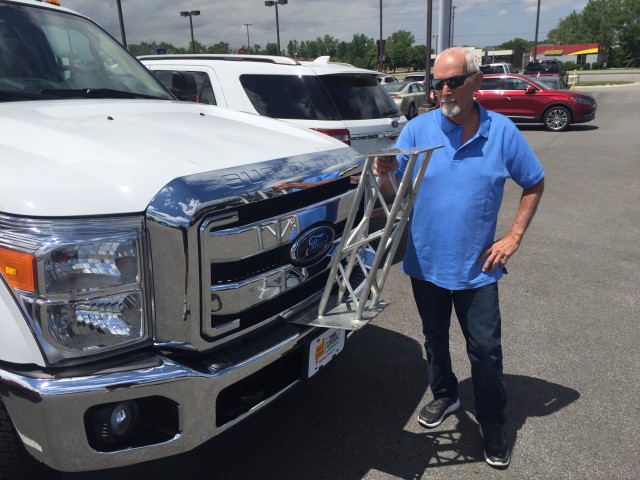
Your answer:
<point x="48" y="54"/>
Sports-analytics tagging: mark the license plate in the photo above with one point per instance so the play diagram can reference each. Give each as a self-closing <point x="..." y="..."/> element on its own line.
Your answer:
<point x="324" y="348"/>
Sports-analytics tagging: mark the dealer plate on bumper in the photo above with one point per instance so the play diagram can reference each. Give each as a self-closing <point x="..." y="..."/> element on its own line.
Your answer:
<point x="324" y="348"/>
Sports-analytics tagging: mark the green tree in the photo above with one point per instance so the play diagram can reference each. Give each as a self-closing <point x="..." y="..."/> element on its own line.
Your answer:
<point x="516" y="44"/>
<point x="361" y="51"/>
<point x="418" y="57"/>
<point x="615" y="23"/>
<point x="293" y="48"/>
<point x="220" y="47"/>
<point x="398" y="49"/>
<point x="627" y="51"/>
<point x="271" y="49"/>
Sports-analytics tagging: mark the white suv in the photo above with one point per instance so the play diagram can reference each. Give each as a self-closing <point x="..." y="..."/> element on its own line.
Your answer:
<point x="337" y="99"/>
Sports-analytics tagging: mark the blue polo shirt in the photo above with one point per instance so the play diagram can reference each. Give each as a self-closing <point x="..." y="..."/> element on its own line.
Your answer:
<point x="455" y="214"/>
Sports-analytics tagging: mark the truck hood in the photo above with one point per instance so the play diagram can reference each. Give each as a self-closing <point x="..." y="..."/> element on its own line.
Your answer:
<point x="100" y="157"/>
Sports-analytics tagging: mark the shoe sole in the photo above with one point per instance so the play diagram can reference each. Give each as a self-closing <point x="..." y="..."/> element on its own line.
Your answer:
<point x="495" y="463"/>
<point x="452" y="408"/>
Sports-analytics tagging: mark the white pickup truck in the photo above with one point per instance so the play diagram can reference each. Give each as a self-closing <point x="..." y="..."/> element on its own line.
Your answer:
<point x="152" y="265"/>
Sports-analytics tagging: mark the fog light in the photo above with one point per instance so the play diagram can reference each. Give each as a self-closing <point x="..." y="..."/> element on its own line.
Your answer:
<point x="123" y="418"/>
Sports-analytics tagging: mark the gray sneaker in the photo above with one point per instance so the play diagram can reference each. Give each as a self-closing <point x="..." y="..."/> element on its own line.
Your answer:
<point x="434" y="412"/>
<point x="496" y="452"/>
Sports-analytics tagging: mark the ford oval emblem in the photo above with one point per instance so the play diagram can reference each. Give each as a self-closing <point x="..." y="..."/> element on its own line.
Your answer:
<point x="312" y="245"/>
<point x="395" y="124"/>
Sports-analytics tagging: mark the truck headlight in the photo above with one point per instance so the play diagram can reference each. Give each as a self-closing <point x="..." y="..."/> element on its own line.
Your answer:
<point x="81" y="282"/>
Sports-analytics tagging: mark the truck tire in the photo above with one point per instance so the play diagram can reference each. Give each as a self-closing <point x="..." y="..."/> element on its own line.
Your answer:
<point x="15" y="462"/>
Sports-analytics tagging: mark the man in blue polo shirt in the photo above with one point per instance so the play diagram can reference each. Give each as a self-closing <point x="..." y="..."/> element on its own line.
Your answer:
<point x="452" y="257"/>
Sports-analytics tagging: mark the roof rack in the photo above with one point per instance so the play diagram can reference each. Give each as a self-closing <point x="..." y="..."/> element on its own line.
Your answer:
<point x="224" y="57"/>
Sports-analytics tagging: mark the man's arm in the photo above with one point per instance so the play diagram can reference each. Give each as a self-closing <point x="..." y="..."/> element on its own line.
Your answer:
<point x="498" y="253"/>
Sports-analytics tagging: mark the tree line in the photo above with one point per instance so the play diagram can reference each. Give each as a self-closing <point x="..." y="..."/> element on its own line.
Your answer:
<point x="615" y="23"/>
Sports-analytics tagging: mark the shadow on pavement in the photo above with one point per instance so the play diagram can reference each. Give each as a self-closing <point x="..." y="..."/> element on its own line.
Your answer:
<point x="357" y="415"/>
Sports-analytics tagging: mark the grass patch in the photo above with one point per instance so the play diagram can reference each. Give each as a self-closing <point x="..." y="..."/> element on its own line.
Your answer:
<point x="602" y="83"/>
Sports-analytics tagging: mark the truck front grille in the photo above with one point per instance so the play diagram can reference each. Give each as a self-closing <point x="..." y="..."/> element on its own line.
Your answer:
<point x="249" y="274"/>
<point x="231" y="253"/>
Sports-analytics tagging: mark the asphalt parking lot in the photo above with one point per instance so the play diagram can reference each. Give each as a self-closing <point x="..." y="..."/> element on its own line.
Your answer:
<point x="571" y="316"/>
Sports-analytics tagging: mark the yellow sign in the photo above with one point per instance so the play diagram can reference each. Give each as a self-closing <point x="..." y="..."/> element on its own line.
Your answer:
<point x="553" y="52"/>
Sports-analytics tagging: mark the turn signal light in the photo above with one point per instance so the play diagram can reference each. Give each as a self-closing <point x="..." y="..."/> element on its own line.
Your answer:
<point x="18" y="270"/>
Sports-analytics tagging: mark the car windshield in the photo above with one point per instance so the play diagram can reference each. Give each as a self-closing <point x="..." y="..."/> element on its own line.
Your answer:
<point x="394" y="87"/>
<point x="47" y="54"/>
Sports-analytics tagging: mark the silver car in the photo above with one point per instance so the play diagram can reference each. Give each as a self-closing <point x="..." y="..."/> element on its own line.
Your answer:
<point x="408" y="96"/>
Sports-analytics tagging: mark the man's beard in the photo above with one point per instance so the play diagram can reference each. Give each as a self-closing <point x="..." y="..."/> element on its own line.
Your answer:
<point x="450" y="109"/>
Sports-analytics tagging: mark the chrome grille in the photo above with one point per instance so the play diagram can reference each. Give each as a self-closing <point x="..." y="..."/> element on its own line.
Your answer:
<point x="246" y="266"/>
<point x="221" y="242"/>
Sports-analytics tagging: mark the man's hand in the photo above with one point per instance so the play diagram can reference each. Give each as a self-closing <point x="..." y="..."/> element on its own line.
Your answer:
<point x="501" y="250"/>
<point x="499" y="253"/>
<point x="384" y="165"/>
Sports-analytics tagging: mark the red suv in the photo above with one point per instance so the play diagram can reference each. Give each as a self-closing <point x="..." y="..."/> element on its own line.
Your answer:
<point x="523" y="100"/>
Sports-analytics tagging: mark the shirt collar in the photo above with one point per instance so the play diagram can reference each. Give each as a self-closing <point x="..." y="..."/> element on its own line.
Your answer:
<point x="483" y="129"/>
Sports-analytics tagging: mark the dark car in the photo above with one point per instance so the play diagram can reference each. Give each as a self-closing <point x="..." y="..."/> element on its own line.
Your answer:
<point x="525" y="101"/>
<point x="550" y="81"/>
<point x="547" y="67"/>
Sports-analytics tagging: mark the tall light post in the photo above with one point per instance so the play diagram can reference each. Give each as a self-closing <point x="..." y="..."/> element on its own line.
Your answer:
<point x="275" y="3"/>
<point x="535" y="43"/>
<point x="191" y="14"/>
<point x="453" y="22"/>
<point x="248" y="42"/>
<point x="380" y="44"/>
<point x="122" y="35"/>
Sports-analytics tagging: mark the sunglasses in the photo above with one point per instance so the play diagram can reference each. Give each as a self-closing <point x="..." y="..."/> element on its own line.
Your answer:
<point x="452" y="82"/>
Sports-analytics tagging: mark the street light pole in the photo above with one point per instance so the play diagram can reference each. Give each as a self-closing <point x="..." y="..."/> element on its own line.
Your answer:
<point x="272" y="3"/>
<point x="535" y="43"/>
<point x="122" y="35"/>
<point x="248" y="42"/>
<point x="191" y="14"/>
<point x="453" y="22"/>
<point x="427" y="70"/>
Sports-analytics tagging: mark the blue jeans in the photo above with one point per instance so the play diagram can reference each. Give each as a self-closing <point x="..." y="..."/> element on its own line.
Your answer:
<point x="478" y="312"/>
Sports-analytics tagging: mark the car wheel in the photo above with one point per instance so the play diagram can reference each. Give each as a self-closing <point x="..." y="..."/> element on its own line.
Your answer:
<point x="412" y="111"/>
<point x="557" y="119"/>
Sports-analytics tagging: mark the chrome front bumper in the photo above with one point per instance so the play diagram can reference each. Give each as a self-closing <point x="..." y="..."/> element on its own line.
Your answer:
<point x="49" y="412"/>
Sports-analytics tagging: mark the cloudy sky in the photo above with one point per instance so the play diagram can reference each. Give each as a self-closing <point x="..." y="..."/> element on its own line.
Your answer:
<point x="477" y="23"/>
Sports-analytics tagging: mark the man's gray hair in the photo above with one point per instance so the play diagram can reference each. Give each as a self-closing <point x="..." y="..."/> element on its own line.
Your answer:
<point x="470" y="58"/>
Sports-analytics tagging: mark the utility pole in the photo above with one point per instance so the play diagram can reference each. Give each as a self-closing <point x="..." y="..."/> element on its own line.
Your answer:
<point x="535" y="43"/>
<point x="248" y="43"/>
<point x="427" y="70"/>
<point x="453" y="21"/>
<point x="381" y="44"/>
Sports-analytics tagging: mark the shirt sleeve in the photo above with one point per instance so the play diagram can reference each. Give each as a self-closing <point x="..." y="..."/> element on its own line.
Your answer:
<point x="523" y="165"/>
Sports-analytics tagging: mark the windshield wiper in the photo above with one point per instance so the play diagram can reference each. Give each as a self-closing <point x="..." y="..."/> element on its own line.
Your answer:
<point x="391" y="112"/>
<point x="13" y="95"/>
<point x="97" y="93"/>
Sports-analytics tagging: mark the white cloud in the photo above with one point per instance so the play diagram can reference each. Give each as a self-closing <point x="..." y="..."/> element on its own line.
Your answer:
<point x="476" y="23"/>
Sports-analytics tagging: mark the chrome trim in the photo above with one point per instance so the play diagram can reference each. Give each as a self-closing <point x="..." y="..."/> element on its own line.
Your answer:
<point x="182" y="199"/>
<point x="60" y="405"/>
<point x="232" y="297"/>
<point x="210" y="201"/>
